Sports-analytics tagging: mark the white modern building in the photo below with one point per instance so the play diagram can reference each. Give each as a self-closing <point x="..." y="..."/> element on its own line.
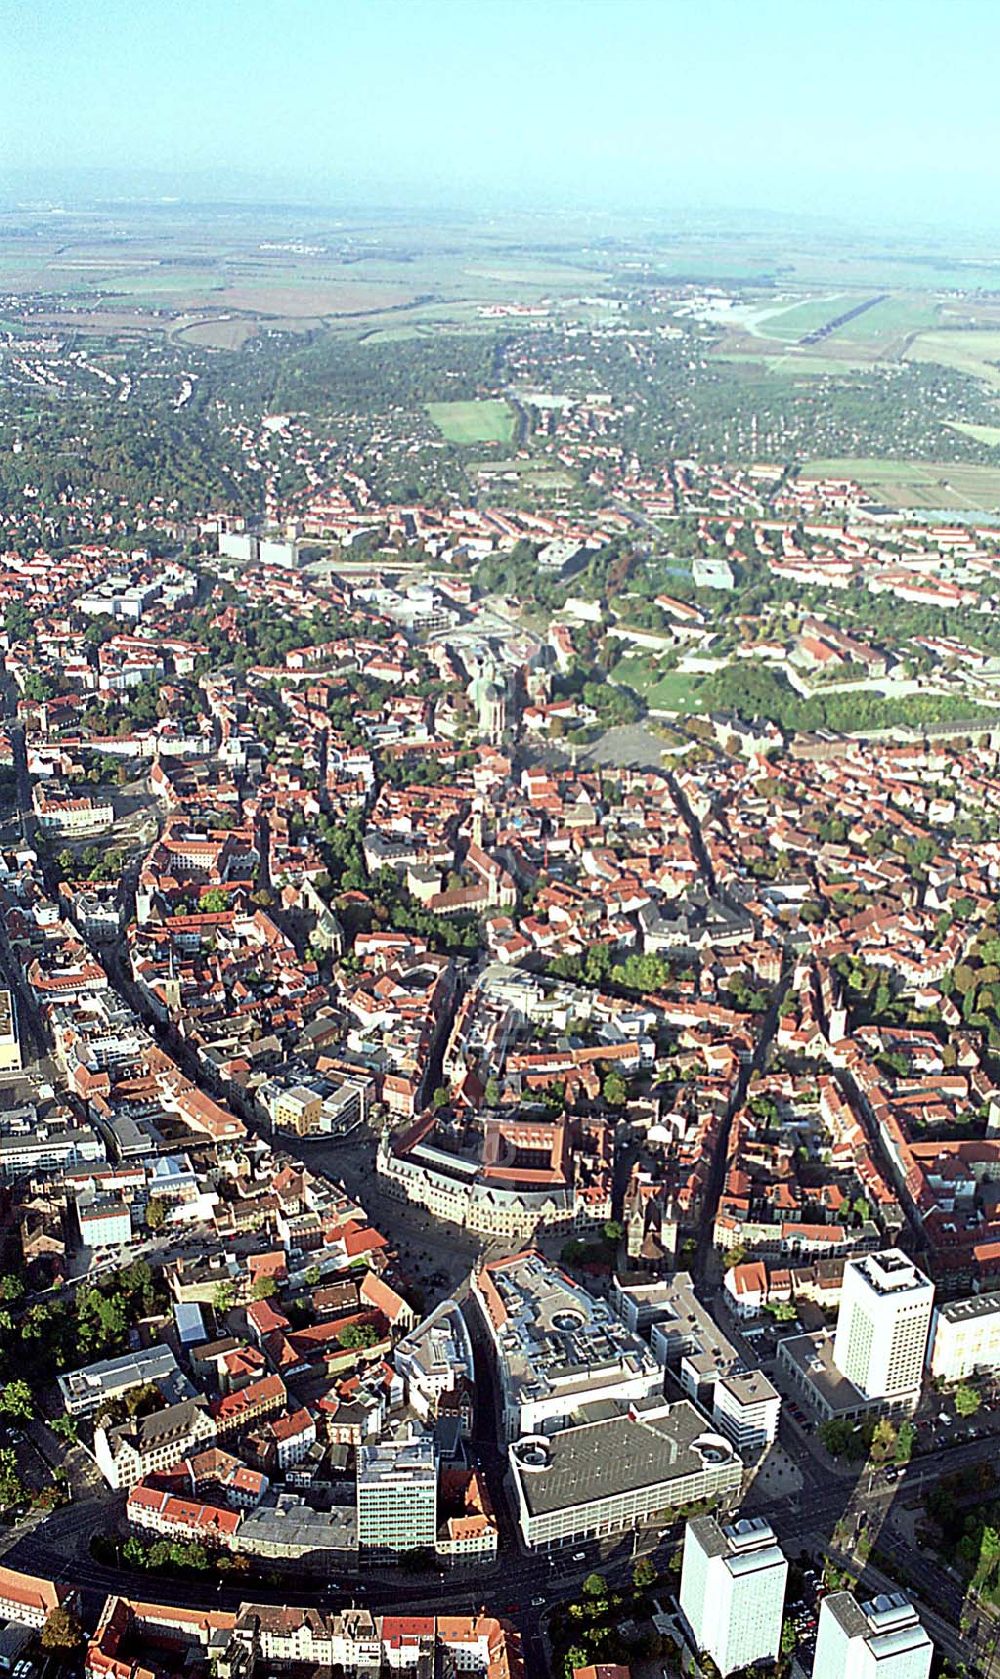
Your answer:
<point x="733" y="1591"/>
<point x="965" y="1338"/>
<point x="397" y="1493"/>
<point x="10" y="1045"/>
<point x="239" y="545"/>
<point x="105" y="1220"/>
<point x="614" y="1474"/>
<point x="882" y="1327"/>
<point x="555" y="1346"/>
<point x="710" y="573"/>
<point x="882" y="1639"/>
<point x="746" y="1407"/>
<point x="30" y="1144"/>
<point x="275" y="551"/>
<point x="85" y="1391"/>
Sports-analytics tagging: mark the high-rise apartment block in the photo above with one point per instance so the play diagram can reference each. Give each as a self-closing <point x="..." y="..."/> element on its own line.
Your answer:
<point x="733" y="1591"/>
<point x="882" y="1326"/>
<point x="397" y="1493"/>
<point x="882" y="1639"/>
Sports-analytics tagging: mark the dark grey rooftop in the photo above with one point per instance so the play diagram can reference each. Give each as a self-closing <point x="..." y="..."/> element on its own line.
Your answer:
<point x="622" y="1454"/>
<point x="977" y="1306"/>
<point x="813" y="1357"/>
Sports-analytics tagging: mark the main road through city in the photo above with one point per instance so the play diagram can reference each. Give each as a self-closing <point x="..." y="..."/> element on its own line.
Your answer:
<point x="521" y="1587"/>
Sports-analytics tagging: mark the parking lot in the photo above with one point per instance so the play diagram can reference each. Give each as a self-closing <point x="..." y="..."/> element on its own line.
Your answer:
<point x="803" y="1613"/>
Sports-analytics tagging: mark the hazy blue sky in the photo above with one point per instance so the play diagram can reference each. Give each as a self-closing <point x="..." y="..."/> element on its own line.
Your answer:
<point x="886" y="106"/>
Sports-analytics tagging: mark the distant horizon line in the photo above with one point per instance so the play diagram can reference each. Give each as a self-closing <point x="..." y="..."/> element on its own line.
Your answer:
<point x="73" y="197"/>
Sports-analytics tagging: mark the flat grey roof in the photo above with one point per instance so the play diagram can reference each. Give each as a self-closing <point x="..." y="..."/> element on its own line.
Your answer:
<point x="750" y="1387"/>
<point x="890" y="1272"/>
<point x="977" y="1306"/>
<point x="813" y="1356"/>
<point x="143" y="1365"/>
<point x="845" y="1609"/>
<point x="623" y="1454"/>
<point x="556" y="1336"/>
<point x="289" y="1522"/>
<point x="712" y="1349"/>
<point x="708" y="1534"/>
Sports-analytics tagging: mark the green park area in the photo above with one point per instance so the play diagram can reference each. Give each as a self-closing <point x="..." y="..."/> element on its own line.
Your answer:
<point x="670" y="690"/>
<point x="473" y="422"/>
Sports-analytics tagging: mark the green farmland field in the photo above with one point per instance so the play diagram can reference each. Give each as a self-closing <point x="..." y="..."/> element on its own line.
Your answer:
<point x="976" y="352"/>
<point x="990" y="435"/>
<point x="935" y="484"/>
<point x="473" y="422"/>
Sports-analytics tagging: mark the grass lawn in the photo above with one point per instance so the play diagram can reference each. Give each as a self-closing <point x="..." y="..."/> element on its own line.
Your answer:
<point x="394" y="335"/>
<point x="944" y="484"/>
<point x="217" y="335"/>
<point x="790" y="322"/>
<point x="794" y="363"/>
<point x="892" y="318"/>
<point x="673" y="691"/>
<point x="884" y="330"/>
<point x="473" y="422"/>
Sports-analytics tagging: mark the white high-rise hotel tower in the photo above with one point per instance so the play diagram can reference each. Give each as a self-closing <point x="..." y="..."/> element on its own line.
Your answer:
<point x="882" y="1326"/>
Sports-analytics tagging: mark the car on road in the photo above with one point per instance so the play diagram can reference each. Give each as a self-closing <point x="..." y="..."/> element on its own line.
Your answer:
<point x="579" y="1556"/>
